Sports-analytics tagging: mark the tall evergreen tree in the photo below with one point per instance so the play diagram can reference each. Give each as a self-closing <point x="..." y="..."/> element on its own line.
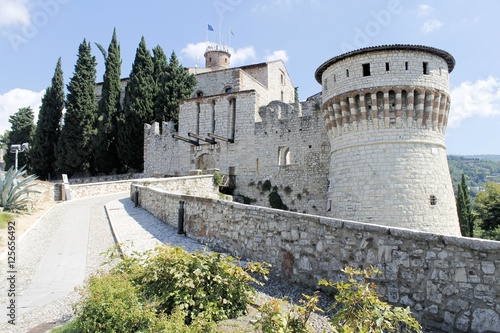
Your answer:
<point x="138" y="109"/>
<point x="43" y="154"/>
<point x="160" y="97"/>
<point x="22" y="130"/>
<point x="74" y="149"/>
<point x="180" y="84"/>
<point x="464" y="209"/>
<point x="109" y="109"/>
<point x="488" y="209"/>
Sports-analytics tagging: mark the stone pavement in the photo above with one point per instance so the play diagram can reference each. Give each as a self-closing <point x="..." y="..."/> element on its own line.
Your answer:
<point x="138" y="230"/>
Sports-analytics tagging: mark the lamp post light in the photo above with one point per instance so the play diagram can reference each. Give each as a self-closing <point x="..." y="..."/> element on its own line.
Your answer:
<point x="16" y="148"/>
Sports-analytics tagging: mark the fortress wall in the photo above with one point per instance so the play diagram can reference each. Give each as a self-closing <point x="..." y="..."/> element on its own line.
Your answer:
<point x="450" y="283"/>
<point x="163" y="155"/>
<point x="301" y="177"/>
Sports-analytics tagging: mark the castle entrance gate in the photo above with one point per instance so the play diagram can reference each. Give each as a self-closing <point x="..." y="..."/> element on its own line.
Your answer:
<point x="205" y="162"/>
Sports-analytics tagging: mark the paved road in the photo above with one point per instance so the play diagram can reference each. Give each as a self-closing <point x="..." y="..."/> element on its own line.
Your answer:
<point x="55" y="256"/>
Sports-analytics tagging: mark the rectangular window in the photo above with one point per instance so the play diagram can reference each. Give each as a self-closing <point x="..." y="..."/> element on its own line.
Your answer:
<point x="387" y="66"/>
<point x="347" y="73"/>
<point x="334" y="77"/>
<point x="366" y="69"/>
<point x="425" y="67"/>
<point x="406" y="65"/>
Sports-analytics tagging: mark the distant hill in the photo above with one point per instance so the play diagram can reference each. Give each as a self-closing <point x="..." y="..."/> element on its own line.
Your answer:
<point x="478" y="170"/>
<point x="494" y="158"/>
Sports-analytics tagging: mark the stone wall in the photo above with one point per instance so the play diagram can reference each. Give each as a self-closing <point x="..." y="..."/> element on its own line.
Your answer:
<point x="450" y="283"/>
<point x="93" y="189"/>
<point x="285" y="146"/>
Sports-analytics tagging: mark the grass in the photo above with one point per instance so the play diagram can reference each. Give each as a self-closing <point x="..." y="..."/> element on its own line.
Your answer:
<point x="4" y="218"/>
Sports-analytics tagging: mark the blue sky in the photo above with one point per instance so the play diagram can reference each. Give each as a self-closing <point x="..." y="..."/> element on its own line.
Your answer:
<point x="304" y="33"/>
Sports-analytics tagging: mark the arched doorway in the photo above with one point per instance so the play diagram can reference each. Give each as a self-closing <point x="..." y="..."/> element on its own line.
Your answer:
<point x="205" y="162"/>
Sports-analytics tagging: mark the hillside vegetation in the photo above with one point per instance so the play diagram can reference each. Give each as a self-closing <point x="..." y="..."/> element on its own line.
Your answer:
<point x="478" y="170"/>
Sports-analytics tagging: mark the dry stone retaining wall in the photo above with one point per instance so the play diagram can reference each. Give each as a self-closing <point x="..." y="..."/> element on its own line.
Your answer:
<point x="449" y="282"/>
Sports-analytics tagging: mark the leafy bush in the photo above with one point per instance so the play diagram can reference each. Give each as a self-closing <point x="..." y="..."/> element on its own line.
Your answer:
<point x="14" y="189"/>
<point x="217" y="179"/>
<point x="111" y="303"/>
<point x="167" y="290"/>
<point x="275" y="201"/>
<point x="279" y="316"/>
<point x="199" y="283"/>
<point x="266" y="186"/>
<point x="359" y="309"/>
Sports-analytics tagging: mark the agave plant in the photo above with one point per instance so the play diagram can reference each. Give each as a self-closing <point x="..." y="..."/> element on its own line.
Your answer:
<point x="14" y="189"/>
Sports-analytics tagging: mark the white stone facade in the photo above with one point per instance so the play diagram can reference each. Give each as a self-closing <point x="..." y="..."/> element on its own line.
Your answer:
<point x="370" y="148"/>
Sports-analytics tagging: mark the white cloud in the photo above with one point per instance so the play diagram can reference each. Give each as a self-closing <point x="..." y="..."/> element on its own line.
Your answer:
<point x="14" y="12"/>
<point x="277" y="55"/>
<point x="240" y="56"/>
<point x="194" y="51"/>
<point x="424" y="10"/>
<point x="431" y="25"/>
<point x="478" y="99"/>
<point x="13" y="100"/>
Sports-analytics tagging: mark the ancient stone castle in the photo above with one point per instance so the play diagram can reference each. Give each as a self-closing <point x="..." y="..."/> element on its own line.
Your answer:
<point x="369" y="147"/>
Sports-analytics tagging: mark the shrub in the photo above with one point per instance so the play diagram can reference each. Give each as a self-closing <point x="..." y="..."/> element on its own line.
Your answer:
<point x="203" y="284"/>
<point x="217" y="178"/>
<point x="277" y="315"/>
<point x="167" y="290"/>
<point x="111" y="303"/>
<point x="276" y="202"/>
<point x="359" y="309"/>
<point x="14" y="188"/>
<point x="197" y="283"/>
<point x="266" y="187"/>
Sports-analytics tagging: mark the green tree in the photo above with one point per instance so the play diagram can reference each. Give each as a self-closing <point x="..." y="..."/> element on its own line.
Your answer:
<point x="180" y="84"/>
<point x="109" y="109"/>
<point x="464" y="208"/>
<point x="488" y="209"/>
<point x="74" y="150"/>
<point x="21" y="131"/>
<point x="138" y="109"/>
<point x="160" y="95"/>
<point x="48" y="128"/>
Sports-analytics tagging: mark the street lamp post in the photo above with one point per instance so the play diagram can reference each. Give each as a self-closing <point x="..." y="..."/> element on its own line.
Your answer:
<point x="16" y="148"/>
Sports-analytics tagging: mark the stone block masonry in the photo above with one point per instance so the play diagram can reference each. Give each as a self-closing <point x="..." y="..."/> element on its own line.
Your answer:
<point x="450" y="283"/>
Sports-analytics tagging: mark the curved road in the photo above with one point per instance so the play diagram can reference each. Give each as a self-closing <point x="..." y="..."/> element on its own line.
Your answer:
<point x="56" y="255"/>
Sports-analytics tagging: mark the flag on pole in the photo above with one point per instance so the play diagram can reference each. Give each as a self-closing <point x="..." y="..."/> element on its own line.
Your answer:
<point x="210" y="28"/>
<point x="231" y="31"/>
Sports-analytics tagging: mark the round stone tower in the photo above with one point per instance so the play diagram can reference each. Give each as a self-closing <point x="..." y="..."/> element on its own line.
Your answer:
<point x="217" y="57"/>
<point x="385" y="110"/>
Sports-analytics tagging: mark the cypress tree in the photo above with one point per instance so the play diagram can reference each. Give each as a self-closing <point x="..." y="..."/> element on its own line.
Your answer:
<point x="48" y="127"/>
<point x="138" y="109"/>
<point x="109" y="109"/>
<point x="180" y="84"/>
<point x="160" y="93"/>
<point x="75" y="142"/>
<point x="22" y="130"/>
<point x="464" y="209"/>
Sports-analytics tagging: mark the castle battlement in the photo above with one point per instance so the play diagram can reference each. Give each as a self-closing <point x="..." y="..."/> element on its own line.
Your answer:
<point x="387" y="107"/>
